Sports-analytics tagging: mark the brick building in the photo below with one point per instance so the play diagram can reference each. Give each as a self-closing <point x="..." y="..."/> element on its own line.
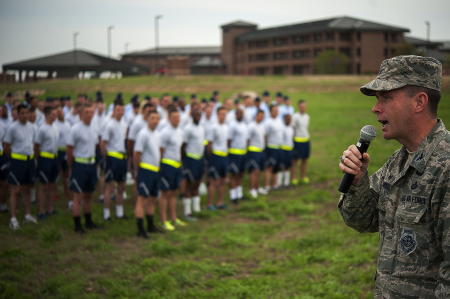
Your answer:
<point x="291" y="50"/>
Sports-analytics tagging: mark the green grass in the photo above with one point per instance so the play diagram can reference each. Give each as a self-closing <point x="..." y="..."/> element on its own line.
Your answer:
<point x="290" y="244"/>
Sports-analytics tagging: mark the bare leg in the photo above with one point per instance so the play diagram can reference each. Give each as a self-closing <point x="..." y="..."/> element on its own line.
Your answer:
<point x="211" y="191"/>
<point x="221" y="190"/>
<point x="87" y="198"/>
<point x="42" y="196"/>
<point x="303" y="168"/>
<point x="274" y="179"/>
<point x="15" y="191"/>
<point x="267" y="175"/>
<point x="108" y="190"/>
<point x="119" y="196"/>
<point x="76" y="208"/>
<point x="141" y="204"/>
<point x="26" y="198"/>
<point x="51" y="194"/>
<point x="150" y="206"/>
<point x="294" y="170"/>
<point x="173" y="205"/>
<point x="163" y="205"/>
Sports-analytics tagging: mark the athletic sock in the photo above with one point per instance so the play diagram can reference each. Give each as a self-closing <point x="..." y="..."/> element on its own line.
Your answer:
<point x="196" y="203"/>
<point x="233" y="194"/>
<point x="240" y="193"/>
<point x="267" y="188"/>
<point x="140" y="225"/>
<point x="187" y="205"/>
<point x="279" y="179"/>
<point x="287" y="177"/>
<point x="106" y="214"/>
<point x="150" y="223"/>
<point x="87" y="218"/>
<point x="77" y="221"/>
<point x="27" y="216"/>
<point x="119" y="211"/>
<point x="13" y="219"/>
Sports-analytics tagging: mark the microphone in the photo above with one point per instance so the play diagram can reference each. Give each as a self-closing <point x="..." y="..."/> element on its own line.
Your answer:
<point x="368" y="133"/>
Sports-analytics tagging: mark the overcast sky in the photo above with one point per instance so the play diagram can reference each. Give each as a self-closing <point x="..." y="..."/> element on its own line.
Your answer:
<point x="33" y="28"/>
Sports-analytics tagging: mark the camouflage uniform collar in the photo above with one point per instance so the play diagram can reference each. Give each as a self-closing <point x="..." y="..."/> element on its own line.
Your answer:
<point x="427" y="146"/>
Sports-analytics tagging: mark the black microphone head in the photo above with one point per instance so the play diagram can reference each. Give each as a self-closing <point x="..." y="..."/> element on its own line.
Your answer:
<point x="368" y="133"/>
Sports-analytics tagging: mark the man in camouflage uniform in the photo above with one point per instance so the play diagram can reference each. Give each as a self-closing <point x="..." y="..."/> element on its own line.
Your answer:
<point x="407" y="200"/>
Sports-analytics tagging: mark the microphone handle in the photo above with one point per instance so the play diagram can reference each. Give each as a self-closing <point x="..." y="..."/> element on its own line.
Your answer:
<point x="347" y="179"/>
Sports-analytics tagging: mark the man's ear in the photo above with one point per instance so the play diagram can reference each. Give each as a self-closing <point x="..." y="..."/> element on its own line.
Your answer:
<point x="421" y="101"/>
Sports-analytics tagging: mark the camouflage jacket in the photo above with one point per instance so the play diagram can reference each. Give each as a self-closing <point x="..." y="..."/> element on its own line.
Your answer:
<point x="409" y="205"/>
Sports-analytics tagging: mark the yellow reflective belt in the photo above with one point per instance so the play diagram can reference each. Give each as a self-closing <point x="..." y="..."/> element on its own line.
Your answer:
<point x="205" y="142"/>
<point x="237" y="151"/>
<point x="194" y="156"/>
<point x="274" y="146"/>
<point x="301" y="139"/>
<point x="220" y="153"/>
<point x="149" y="166"/>
<point x="117" y="155"/>
<point x="61" y="148"/>
<point x="85" y="160"/>
<point x="253" y="148"/>
<point x="21" y="157"/>
<point x="171" y="162"/>
<point x="1" y="153"/>
<point x="287" y="147"/>
<point x="47" y="155"/>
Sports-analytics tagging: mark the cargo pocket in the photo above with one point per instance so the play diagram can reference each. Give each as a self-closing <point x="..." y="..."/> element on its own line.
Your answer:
<point x="414" y="236"/>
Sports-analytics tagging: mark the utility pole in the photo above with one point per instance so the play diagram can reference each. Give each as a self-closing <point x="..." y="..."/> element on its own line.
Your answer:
<point x="428" y="35"/>
<point x="109" y="40"/>
<point x="157" y="41"/>
<point x="75" y="53"/>
<point x="126" y="48"/>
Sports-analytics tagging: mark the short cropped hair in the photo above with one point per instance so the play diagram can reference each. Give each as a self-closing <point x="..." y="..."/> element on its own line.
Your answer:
<point x="260" y="111"/>
<point x="48" y="110"/>
<point x="171" y="111"/>
<point x="118" y="102"/>
<point x="434" y="97"/>
<point x="221" y="108"/>
<point x="20" y="107"/>
<point x="272" y="106"/>
<point x="87" y="105"/>
<point x="301" y="101"/>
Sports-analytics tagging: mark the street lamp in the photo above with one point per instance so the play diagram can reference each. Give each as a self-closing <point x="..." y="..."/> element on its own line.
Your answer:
<point x="109" y="40"/>
<point x="428" y="34"/>
<point x="75" y="52"/>
<point x="126" y="47"/>
<point x="157" y="40"/>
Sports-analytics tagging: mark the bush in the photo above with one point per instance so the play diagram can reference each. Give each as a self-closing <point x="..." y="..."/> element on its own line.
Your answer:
<point x="331" y="62"/>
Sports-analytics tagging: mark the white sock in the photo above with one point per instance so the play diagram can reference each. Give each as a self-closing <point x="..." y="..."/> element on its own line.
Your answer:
<point x="287" y="177"/>
<point x="233" y="194"/>
<point x="101" y="197"/>
<point x="106" y="214"/>
<point x="239" y="192"/>
<point x="119" y="211"/>
<point x="196" y="203"/>
<point x="27" y="216"/>
<point x="279" y="178"/>
<point x="13" y="219"/>
<point x="70" y="204"/>
<point x="267" y="188"/>
<point x="187" y="205"/>
<point x="33" y="194"/>
<point x="3" y="207"/>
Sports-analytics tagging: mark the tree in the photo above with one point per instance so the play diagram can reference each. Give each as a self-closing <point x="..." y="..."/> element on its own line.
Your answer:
<point x="407" y="49"/>
<point x="331" y="62"/>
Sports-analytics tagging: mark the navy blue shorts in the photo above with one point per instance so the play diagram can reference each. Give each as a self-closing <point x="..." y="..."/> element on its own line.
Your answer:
<point x="62" y="159"/>
<point x="193" y="169"/>
<point x="170" y="177"/>
<point x="22" y="172"/>
<point x="302" y="150"/>
<point x="47" y="170"/>
<point x="286" y="159"/>
<point x="255" y="161"/>
<point x="237" y="163"/>
<point x="148" y="182"/>
<point x="116" y="169"/>
<point x="99" y="159"/>
<point x="273" y="157"/>
<point x="4" y="168"/>
<point x="83" y="178"/>
<point x="218" y="167"/>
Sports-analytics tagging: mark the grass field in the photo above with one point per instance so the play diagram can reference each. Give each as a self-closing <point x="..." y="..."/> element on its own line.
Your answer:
<point x="290" y="244"/>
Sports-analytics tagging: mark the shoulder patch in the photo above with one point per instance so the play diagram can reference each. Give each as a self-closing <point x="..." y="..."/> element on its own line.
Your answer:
<point x="408" y="240"/>
<point x="414" y="186"/>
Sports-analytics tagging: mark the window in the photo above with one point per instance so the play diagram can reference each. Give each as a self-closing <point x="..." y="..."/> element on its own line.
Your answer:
<point x="300" y="39"/>
<point x="330" y="36"/>
<point x="392" y="52"/>
<point x="250" y="45"/>
<point x="358" y="52"/>
<point x="317" y="52"/>
<point x="386" y="37"/>
<point x="394" y="37"/>
<point x="250" y="57"/>
<point x="261" y="70"/>
<point x="278" y="70"/>
<point x="358" y="69"/>
<point x="225" y="31"/>
<point x="358" y="36"/>
<point x="345" y="51"/>
<point x="344" y="36"/>
<point x="300" y="54"/>
<point x="280" y="55"/>
<point x="261" y="44"/>
<point x="298" y="69"/>
<point x="262" y="57"/>
<point x="318" y="37"/>
<point x="280" y="41"/>
<point x="385" y="53"/>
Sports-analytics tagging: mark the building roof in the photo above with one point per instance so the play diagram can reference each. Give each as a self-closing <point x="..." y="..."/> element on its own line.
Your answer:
<point x="85" y="61"/>
<point x="418" y="42"/>
<point x="333" y="24"/>
<point x="207" y="61"/>
<point x="194" y="50"/>
<point x="239" y="24"/>
<point x="445" y="46"/>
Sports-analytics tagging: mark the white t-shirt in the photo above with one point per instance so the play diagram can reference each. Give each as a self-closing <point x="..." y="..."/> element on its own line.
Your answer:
<point x="83" y="139"/>
<point x="301" y="124"/>
<point x="47" y="137"/>
<point x="231" y="117"/>
<point x="148" y="144"/>
<point x="64" y="129"/>
<point x="256" y="134"/>
<point x="249" y="114"/>
<point x="20" y="137"/>
<point x="274" y="131"/>
<point x="2" y="134"/>
<point x="194" y="136"/>
<point x="288" y="136"/>
<point x="137" y="125"/>
<point x="72" y="119"/>
<point x="114" y="134"/>
<point x="171" y="142"/>
<point x="207" y="124"/>
<point x="219" y="137"/>
<point x="238" y="134"/>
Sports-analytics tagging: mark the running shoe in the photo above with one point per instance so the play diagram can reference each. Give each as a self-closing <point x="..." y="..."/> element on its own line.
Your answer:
<point x="234" y="201"/>
<point x="167" y="226"/>
<point x="254" y="193"/>
<point x="211" y="208"/>
<point x="51" y="213"/>
<point x="142" y="235"/>
<point x="306" y="180"/>
<point x="223" y="207"/>
<point x="178" y="222"/>
<point x="14" y="224"/>
<point x="154" y="230"/>
<point x="190" y="218"/>
<point x="41" y="216"/>
<point x="295" y="182"/>
<point x="124" y="217"/>
<point x="263" y="191"/>
<point x="30" y="219"/>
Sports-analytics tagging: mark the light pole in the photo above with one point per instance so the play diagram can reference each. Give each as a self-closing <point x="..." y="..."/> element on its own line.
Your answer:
<point x="428" y="34"/>
<point x="109" y="40"/>
<point x="126" y="47"/>
<point x="75" y="53"/>
<point x="157" y="40"/>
